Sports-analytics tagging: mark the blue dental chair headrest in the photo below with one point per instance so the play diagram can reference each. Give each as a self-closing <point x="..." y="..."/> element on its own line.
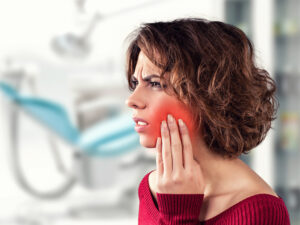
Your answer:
<point x="111" y="137"/>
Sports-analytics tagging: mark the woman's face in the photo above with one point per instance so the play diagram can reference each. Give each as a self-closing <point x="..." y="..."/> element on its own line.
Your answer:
<point x="150" y="103"/>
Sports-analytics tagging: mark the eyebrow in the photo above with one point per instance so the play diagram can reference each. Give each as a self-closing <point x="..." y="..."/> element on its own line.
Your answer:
<point x="147" y="78"/>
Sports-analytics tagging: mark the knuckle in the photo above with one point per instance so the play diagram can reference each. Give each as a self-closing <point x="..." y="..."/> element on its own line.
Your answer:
<point x="189" y="171"/>
<point x="172" y="127"/>
<point x="167" y="152"/>
<point x="187" y="146"/>
<point x="177" y="178"/>
<point x="176" y="145"/>
<point x="189" y="176"/>
<point x="164" y="133"/>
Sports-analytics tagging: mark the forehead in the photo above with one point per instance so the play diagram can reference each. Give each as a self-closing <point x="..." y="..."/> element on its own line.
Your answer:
<point x="145" y="67"/>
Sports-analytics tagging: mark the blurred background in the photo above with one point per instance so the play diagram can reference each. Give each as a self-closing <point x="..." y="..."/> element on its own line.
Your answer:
<point x="68" y="153"/>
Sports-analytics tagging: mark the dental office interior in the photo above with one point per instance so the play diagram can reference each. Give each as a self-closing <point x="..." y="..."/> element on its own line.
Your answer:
<point x="69" y="153"/>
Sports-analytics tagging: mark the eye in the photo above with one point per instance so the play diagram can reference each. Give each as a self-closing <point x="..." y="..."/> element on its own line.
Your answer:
<point x="155" y="84"/>
<point x="134" y="83"/>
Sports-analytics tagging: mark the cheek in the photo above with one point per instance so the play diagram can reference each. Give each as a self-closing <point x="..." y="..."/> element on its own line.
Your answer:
<point x="177" y="110"/>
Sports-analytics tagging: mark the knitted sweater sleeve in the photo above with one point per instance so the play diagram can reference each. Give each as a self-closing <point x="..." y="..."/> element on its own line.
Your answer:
<point x="177" y="209"/>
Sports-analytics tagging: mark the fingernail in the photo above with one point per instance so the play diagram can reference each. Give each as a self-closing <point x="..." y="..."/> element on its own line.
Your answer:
<point x="170" y="118"/>
<point x="181" y="124"/>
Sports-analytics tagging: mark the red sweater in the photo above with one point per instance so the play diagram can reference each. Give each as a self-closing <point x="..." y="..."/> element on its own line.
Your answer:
<point x="175" y="209"/>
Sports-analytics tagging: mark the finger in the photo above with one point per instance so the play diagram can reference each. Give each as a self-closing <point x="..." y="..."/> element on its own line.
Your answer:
<point x="166" y="149"/>
<point x="176" y="146"/>
<point x="187" y="145"/>
<point x="159" y="161"/>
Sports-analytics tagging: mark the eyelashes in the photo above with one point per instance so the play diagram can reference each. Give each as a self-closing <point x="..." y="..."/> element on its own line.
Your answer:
<point x="152" y="83"/>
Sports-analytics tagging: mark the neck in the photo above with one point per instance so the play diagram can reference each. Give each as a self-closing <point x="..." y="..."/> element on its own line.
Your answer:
<point x="218" y="172"/>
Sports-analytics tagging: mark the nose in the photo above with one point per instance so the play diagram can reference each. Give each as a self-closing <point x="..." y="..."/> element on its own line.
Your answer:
<point x="135" y="100"/>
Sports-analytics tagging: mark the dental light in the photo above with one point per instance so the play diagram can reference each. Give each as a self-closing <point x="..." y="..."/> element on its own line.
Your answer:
<point x="76" y="45"/>
<point x="73" y="45"/>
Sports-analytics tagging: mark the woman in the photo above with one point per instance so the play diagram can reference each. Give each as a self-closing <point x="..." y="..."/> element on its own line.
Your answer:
<point x="201" y="102"/>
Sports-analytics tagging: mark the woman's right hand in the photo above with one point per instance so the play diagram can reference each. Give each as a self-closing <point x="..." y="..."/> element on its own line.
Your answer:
<point x="177" y="171"/>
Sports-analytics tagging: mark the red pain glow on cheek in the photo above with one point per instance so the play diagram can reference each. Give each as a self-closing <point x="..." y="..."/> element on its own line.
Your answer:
<point x="178" y="110"/>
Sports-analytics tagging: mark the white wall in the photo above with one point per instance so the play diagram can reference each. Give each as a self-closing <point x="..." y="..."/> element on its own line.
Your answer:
<point x="26" y="29"/>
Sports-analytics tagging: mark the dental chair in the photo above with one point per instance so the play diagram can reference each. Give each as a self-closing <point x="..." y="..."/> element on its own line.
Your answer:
<point x="97" y="147"/>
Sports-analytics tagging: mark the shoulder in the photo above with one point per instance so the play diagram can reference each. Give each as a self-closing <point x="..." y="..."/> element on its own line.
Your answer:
<point x="253" y="190"/>
<point x="259" y="202"/>
<point x="250" y="184"/>
<point x="262" y="209"/>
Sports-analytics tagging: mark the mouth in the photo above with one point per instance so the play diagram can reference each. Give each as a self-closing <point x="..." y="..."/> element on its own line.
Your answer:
<point x="140" y="128"/>
<point x="140" y="124"/>
<point x="140" y="121"/>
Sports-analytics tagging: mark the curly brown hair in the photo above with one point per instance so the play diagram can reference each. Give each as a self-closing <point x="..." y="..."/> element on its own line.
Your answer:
<point x="212" y="70"/>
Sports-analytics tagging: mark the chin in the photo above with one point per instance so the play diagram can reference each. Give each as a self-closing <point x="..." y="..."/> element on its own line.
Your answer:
<point x="147" y="142"/>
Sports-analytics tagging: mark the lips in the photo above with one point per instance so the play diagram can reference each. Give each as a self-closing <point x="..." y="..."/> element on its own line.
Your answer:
<point x="137" y="119"/>
<point x="140" y="127"/>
